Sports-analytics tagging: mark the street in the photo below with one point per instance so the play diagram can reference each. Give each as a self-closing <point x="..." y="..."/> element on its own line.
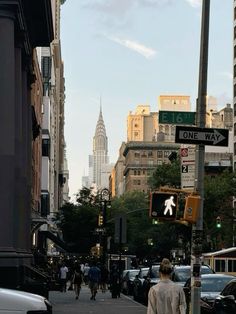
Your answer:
<point x="65" y="303"/>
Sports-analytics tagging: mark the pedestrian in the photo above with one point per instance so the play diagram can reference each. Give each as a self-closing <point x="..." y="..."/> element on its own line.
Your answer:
<point x="104" y="278"/>
<point x="94" y="276"/>
<point x="86" y="271"/>
<point x="63" y="277"/>
<point x="115" y="281"/>
<point x="166" y="297"/>
<point x="77" y="280"/>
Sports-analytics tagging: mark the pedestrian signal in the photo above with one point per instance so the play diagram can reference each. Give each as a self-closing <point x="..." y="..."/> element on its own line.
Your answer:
<point x="163" y="205"/>
<point x="191" y="209"/>
<point x="100" y="220"/>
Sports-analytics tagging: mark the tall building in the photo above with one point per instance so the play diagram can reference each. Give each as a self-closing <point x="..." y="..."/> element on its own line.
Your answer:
<point x="99" y="167"/>
<point x="142" y="124"/>
<point x="26" y="25"/>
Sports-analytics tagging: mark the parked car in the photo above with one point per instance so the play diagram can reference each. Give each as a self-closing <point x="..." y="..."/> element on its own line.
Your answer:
<point x="20" y="302"/>
<point x="225" y="303"/>
<point x="151" y="279"/>
<point x="211" y="286"/>
<point x="181" y="273"/>
<point x="127" y="283"/>
<point x="138" y="284"/>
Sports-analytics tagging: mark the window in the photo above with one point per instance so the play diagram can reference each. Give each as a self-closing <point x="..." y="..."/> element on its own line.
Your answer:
<point x="137" y="182"/>
<point x="150" y="154"/>
<point x="159" y="154"/>
<point x="231" y="265"/>
<point x="166" y="154"/>
<point x="159" y="162"/>
<point x="46" y="67"/>
<point x="219" y="265"/>
<point x="46" y="147"/>
<point x="45" y="210"/>
<point x="136" y="154"/>
<point x="135" y="172"/>
<point x="150" y="162"/>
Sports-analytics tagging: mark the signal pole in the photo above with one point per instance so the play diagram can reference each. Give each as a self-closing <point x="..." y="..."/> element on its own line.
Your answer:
<point x="197" y="229"/>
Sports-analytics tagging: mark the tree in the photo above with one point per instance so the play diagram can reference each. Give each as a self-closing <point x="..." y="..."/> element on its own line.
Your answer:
<point x="166" y="175"/>
<point x="78" y="221"/>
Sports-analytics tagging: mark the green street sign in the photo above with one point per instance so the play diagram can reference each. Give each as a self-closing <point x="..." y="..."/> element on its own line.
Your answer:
<point x="177" y="117"/>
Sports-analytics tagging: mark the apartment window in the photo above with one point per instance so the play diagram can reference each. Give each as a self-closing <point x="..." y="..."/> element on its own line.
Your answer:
<point x="46" y="67"/>
<point x="150" y="162"/>
<point x="234" y="148"/>
<point x="234" y="32"/>
<point x="137" y="182"/>
<point x="159" y="154"/>
<point x="159" y="162"/>
<point x="234" y="129"/>
<point x="135" y="172"/>
<point x="166" y="154"/>
<point x="150" y="154"/>
<point x="46" y="147"/>
<point x="234" y="52"/>
<point x="234" y="90"/>
<point x="139" y="172"/>
<point x="235" y="109"/>
<point x="45" y="206"/>
<point x="136" y="154"/>
<point x="144" y="154"/>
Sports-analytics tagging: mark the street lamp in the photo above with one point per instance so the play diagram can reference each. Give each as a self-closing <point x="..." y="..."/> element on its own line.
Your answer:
<point x="105" y="203"/>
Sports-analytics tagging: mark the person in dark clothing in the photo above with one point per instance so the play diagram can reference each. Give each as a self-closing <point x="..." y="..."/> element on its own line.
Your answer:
<point x="94" y="276"/>
<point x="77" y="280"/>
<point x="115" y="281"/>
<point x="104" y="278"/>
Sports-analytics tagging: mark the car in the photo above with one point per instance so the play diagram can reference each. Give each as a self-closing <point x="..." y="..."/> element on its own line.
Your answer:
<point x="21" y="302"/>
<point x="138" y="284"/>
<point x="181" y="273"/>
<point x="151" y="279"/>
<point x="127" y="283"/>
<point x="225" y="303"/>
<point x="211" y="286"/>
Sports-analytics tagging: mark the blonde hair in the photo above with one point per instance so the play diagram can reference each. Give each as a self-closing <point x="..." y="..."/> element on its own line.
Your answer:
<point x="165" y="267"/>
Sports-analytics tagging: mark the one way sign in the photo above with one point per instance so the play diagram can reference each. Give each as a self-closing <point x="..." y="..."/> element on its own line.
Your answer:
<point x="205" y="136"/>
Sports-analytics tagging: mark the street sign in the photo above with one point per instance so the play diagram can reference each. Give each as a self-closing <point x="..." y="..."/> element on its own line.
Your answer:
<point x="187" y="158"/>
<point x="177" y="117"/>
<point x="205" y="136"/>
<point x="163" y="205"/>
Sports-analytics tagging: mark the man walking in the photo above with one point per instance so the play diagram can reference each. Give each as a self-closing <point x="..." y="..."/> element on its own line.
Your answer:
<point x="94" y="276"/>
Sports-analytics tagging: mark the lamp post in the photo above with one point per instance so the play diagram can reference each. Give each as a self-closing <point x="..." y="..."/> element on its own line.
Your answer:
<point x="105" y="202"/>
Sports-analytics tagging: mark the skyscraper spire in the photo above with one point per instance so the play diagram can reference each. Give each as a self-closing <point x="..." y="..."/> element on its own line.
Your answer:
<point x="100" y="149"/>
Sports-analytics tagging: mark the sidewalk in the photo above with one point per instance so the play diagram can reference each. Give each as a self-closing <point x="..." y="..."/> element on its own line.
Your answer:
<point x="65" y="303"/>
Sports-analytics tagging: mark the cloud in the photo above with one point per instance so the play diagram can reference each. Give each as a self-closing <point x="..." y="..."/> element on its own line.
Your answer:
<point x="194" y="3"/>
<point x="121" y="7"/>
<point x="228" y="75"/>
<point x="133" y="45"/>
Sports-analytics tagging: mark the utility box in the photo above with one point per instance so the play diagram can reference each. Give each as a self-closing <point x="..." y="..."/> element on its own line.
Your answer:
<point x="191" y="209"/>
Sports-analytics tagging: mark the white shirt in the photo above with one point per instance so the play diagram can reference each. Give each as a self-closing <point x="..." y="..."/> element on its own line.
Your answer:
<point x="63" y="272"/>
<point x="166" y="298"/>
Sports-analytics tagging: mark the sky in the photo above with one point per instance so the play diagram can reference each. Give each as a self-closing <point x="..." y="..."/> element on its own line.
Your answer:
<point x="128" y="52"/>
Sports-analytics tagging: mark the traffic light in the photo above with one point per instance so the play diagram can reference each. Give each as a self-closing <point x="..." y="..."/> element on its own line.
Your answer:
<point x="100" y="220"/>
<point x="218" y="222"/>
<point x="191" y="209"/>
<point x="163" y="205"/>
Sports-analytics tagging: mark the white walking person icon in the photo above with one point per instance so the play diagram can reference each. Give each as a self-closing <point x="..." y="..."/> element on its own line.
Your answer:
<point x="168" y="205"/>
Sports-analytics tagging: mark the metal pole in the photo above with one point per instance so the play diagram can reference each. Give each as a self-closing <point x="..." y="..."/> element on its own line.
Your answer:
<point x="197" y="229"/>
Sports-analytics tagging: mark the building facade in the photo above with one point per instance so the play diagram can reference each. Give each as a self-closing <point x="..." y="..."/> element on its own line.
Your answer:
<point x="141" y="159"/>
<point x="26" y="25"/>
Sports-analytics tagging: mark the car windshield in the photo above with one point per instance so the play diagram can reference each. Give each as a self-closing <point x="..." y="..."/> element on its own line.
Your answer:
<point x="206" y="270"/>
<point x="133" y="273"/>
<point x="182" y="274"/>
<point x="143" y="273"/>
<point x="154" y="272"/>
<point x="214" y="284"/>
